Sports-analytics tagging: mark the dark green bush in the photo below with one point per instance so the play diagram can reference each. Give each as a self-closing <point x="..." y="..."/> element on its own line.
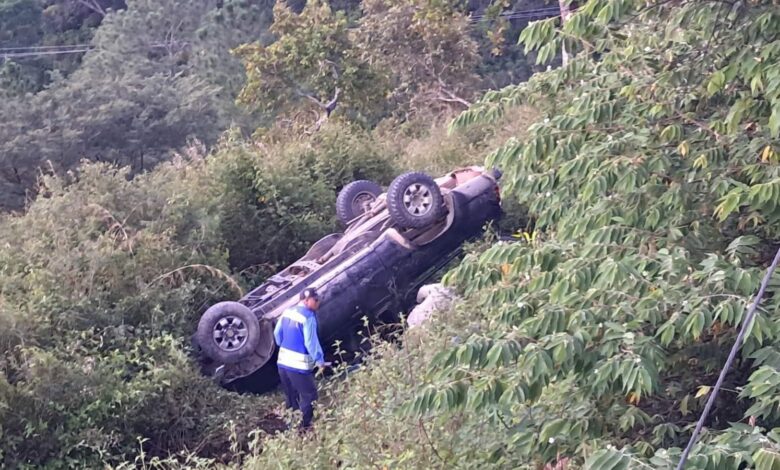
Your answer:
<point x="339" y="154"/>
<point x="275" y="199"/>
<point x="101" y="281"/>
<point x="107" y="394"/>
<point x="95" y="252"/>
<point x="268" y="215"/>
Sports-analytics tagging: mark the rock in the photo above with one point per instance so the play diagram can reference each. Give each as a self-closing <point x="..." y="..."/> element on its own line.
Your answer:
<point x="431" y="298"/>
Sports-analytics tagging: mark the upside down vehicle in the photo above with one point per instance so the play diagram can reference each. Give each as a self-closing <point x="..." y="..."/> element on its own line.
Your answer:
<point x="394" y="242"/>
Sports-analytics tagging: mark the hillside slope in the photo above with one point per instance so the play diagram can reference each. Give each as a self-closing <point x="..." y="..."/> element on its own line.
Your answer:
<point x="652" y="179"/>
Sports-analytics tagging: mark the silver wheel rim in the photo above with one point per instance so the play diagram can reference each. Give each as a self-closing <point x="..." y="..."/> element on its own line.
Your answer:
<point x="418" y="199"/>
<point x="361" y="202"/>
<point x="230" y="333"/>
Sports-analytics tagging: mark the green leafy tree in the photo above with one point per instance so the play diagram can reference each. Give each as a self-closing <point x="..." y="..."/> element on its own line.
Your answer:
<point x="20" y="25"/>
<point x="136" y="96"/>
<point x="650" y="181"/>
<point x="45" y="25"/>
<point x="594" y="340"/>
<point x="268" y="216"/>
<point x="496" y="28"/>
<point x="224" y="28"/>
<point x="311" y="70"/>
<point x="277" y="199"/>
<point x="425" y="50"/>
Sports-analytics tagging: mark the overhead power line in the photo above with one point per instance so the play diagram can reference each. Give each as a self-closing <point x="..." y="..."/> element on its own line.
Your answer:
<point x="42" y="48"/>
<point x="533" y="12"/>
<point x="40" y="51"/>
<point x="15" y="55"/>
<point x="22" y="52"/>
<point x="746" y="323"/>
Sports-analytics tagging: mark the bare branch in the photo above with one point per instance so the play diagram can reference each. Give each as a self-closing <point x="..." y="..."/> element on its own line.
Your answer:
<point x="327" y="107"/>
<point x="450" y="97"/>
<point x="313" y="99"/>
<point x="332" y="65"/>
<point x="171" y="43"/>
<point x="444" y="94"/>
<point x="332" y="103"/>
<point x="93" y="5"/>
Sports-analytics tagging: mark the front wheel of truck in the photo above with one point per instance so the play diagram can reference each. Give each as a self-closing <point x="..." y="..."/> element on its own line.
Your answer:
<point x="228" y="332"/>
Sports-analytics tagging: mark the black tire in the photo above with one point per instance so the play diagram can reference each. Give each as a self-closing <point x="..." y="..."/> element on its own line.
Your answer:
<point x="240" y="332"/>
<point x="349" y="203"/>
<point x="414" y="200"/>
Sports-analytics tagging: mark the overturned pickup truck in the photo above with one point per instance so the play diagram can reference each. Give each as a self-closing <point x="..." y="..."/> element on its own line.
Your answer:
<point x="393" y="243"/>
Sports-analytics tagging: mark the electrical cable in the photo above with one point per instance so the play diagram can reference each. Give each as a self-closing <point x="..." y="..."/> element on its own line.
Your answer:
<point x="20" y="52"/>
<point x="81" y="48"/>
<point x="737" y="343"/>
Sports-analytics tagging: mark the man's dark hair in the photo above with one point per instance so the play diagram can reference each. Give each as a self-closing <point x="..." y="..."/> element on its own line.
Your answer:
<point x="310" y="293"/>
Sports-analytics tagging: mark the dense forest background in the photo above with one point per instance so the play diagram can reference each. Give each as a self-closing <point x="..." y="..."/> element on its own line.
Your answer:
<point x="130" y="83"/>
<point x="158" y="156"/>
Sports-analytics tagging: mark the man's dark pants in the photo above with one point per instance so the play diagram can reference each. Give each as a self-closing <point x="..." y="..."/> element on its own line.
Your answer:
<point x="301" y="391"/>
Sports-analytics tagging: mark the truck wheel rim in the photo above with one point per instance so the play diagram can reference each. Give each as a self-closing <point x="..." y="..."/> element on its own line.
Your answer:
<point x="418" y="199"/>
<point x="230" y="333"/>
<point x="361" y="201"/>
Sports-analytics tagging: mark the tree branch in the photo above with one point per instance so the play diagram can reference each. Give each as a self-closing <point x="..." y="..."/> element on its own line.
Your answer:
<point x="93" y="5"/>
<point x="327" y="107"/>
<point x="447" y="96"/>
<point x="450" y="97"/>
<point x="428" y="439"/>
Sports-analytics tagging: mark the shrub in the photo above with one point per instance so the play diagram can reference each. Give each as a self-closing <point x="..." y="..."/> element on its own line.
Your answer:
<point x="275" y="198"/>
<point x="268" y="216"/>
<point x="339" y="154"/>
<point x="100" y="282"/>
<point x="430" y="147"/>
<point x="108" y="396"/>
<point x="92" y="252"/>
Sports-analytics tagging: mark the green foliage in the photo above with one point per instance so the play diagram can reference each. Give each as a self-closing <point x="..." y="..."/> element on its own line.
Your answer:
<point x="650" y="186"/>
<point x="19" y="21"/>
<point x="269" y="216"/>
<point x="154" y="80"/>
<point x="233" y="23"/>
<point x="649" y="172"/>
<point x="104" y="275"/>
<point x="100" y="243"/>
<point x="310" y="59"/>
<point x="503" y="61"/>
<point x="158" y="75"/>
<point x="337" y="155"/>
<point x="594" y="342"/>
<point x="432" y="149"/>
<point x="84" y="406"/>
<point x="276" y="199"/>
<point x="425" y="51"/>
<point x="402" y="59"/>
<point x="100" y="281"/>
<point x="358" y="424"/>
<point x="43" y="24"/>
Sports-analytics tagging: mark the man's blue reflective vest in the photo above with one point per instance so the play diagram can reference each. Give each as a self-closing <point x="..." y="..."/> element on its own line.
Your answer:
<point x="296" y="335"/>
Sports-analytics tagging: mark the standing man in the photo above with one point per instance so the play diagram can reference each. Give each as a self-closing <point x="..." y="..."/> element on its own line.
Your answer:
<point x="299" y="350"/>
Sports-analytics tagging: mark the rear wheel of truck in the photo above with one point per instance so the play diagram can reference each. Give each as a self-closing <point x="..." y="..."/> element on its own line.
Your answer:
<point x="414" y="200"/>
<point x="228" y="332"/>
<point x="354" y="199"/>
